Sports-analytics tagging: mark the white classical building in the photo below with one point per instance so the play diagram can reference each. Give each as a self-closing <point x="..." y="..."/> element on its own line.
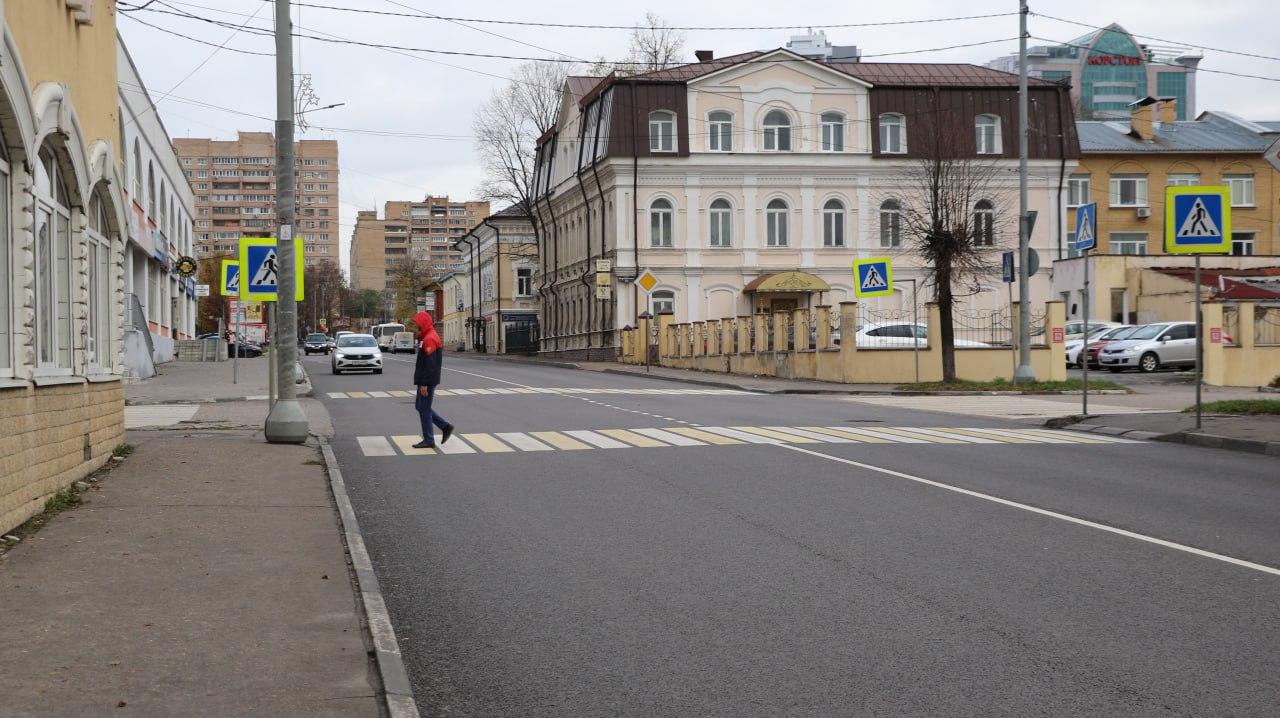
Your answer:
<point x="751" y="183"/>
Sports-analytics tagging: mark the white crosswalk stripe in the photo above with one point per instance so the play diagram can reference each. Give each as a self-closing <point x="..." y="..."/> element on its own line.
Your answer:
<point x="523" y="391"/>
<point x="564" y="440"/>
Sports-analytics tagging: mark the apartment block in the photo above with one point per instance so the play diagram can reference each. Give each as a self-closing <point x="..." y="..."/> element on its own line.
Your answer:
<point x="235" y="188"/>
<point x="425" y="230"/>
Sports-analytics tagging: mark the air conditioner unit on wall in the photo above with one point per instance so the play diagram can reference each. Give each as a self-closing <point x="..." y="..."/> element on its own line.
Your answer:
<point x="1143" y="212"/>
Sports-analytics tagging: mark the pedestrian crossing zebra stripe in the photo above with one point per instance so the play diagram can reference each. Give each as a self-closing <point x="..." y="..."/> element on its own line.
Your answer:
<point x="570" y="391"/>
<point x="682" y="436"/>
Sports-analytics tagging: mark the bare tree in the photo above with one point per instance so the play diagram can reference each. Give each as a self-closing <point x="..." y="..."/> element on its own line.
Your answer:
<point x="323" y="284"/>
<point x="410" y="280"/>
<point x="655" y="45"/>
<point x="950" y="219"/>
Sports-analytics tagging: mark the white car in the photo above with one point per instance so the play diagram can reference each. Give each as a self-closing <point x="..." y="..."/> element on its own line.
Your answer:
<point x="1075" y="328"/>
<point x="898" y="335"/>
<point x="404" y="342"/>
<point x="356" y="352"/>
<point x="1097" y="334"/>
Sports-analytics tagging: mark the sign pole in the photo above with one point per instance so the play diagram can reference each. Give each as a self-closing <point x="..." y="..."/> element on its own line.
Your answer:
<point x="236" y="304"/>
<point x="1199" y="344"/>
<point x="1084" y="348"/>
<point x="272" y="367"/>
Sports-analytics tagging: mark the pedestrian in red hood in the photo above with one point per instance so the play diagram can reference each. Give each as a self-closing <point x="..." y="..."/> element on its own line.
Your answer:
<point x="426" y="376"/>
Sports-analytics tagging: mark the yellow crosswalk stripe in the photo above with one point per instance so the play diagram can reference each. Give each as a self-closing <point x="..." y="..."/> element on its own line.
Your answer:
<point x="921" y="437"/>
<point x="560" y="441"/>
<point x="357" y="395"/>
<point x="984" y="435"/>
<point x="844" y="435"/>
<point x="405" y="444"/>
<point x="771" y="434"/>
<point x="1067" y="436"/>
<point x="400" y="393"/>
<point x="487" y="443"/>
<point x="484" y="391"/>
<point x="706" y="436"/>
<point x="632" y="438"/>
<point x="522" y="390"/>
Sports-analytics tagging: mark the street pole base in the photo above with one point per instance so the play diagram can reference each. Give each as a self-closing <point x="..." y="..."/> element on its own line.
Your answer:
<point x="286" y="424"/>
<point x="1024" y="374"/>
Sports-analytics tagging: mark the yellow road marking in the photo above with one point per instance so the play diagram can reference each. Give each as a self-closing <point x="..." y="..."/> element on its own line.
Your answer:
<point x="1064" y="436"/>
<point x="913" y="435"/>
<point x="406" y="445"/>
<point x="631" y="437"/>
<point x="560" y="441"/>
<point x="357" y="395"/>
<point x="983" y="435"/>
<point x="843" y="435"/>
<point x="484" y="391"/>
<point x="400" y="393"/>
<point x="487" y="443"/>
<point x="703" y="436"/>
<point x="769" y="433"/>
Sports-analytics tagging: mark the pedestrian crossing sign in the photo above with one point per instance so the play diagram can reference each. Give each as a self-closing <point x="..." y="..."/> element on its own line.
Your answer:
<point x="260" y="268"/>
<point x="875" y="277"/>
<point x="230" y="278"/>
<point x="1197" y="220"/>
<point x="1086" y="226"/>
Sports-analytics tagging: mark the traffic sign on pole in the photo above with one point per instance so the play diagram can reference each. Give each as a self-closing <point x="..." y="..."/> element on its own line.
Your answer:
<point x="647" y="281"/>
<point x="1006" y="267"/>
<point x="230" y="278"/>
<point x="1086" y="226"/>
<point x="261" y="270"/>
<point x="874" y="277"/>
<point x="1197" y="220"/>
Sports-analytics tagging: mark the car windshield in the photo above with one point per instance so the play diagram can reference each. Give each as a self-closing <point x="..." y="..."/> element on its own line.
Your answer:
<point x="1122" y="333"/>
<point x="1150" y="331"/>
<point x="1100" y="331"/>
<point x="357" y="340"/>
<point x="317" y="338"/>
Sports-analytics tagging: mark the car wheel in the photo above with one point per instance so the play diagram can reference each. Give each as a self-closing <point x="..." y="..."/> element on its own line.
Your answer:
<point x="1149" y="362"/>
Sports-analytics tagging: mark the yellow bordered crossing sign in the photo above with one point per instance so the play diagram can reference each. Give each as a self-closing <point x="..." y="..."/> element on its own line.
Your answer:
<point x="260" y="269"/>
<point x="230" y="278"/>
<point x="1197" y="220"/>
<point x="874" y="277"/>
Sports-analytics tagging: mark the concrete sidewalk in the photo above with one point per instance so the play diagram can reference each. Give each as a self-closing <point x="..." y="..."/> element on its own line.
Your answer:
<point x="208" y="573"/>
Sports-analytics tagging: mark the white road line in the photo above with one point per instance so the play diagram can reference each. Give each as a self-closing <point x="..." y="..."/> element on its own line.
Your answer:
<point x="462" y="392"/>
<point x="966" y="438"/>
<point x="1043" y="512"/>
<point x="896" y="438"/>
<point x="602" y="442"/>
<point x="337" y="395"/>
<point x="812" y="435"/>
<point x="740" y="435"/>
<point x="669" y="437"/>
<point x="379" y="394"/>
<point x="524" y="442"/>
<point x="455" y="446"/>
<point x="375" y="446"/>
<point x="1013" y="434"/>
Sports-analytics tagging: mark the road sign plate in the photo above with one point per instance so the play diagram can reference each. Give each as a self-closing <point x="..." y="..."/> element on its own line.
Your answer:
<point x="1006" y="267"/>
<point x="647" y="281"/>
<point x="230" y="278"/>
<point x="202" y="290"/>
<point x="261" y="268"/>
<point x="1086" y="226"/>
<point x="874" y="277"/>
<point x="1197" y="220"/>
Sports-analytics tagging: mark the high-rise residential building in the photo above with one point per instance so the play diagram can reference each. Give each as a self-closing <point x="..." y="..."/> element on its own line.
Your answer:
<point x="424" y="230"/>
<point x="235" y="188"/>
<point x="1108" y="69"/>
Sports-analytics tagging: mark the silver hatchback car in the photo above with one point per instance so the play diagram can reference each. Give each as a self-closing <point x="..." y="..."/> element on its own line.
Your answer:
<point x="1152" y="347"/>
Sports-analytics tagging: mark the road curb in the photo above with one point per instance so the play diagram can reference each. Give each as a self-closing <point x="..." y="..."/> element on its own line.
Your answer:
<point x="397" y="691"/>
<point x="1189" y="438"/>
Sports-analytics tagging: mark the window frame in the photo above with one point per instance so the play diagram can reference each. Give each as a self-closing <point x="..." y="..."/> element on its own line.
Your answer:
<point x="1248" y="187"/>
<point x="662" y="141"/>
<point x="661" y="223"/>
<point x="777" y="213"/>
<point x="984" y="223"/>
<point x="991" y="136"/>
<point x="1243" y="241"/>
<point x="524" y="281"/>
<point x="662" y="300"/>
<point x="723" y="216"/>
<point x="834" y="224"/>
<point x="1079" y="188"/>
<point x="6" y="266"/>
<point x="1127" y="239"/>
<point x="891" y="231"/>
<point x="832" y="136"/>
<point x="52" y="341"/>
<point x="720" y="131"/>
<point x="1116" y="191"/>
<point x="893" y="126"/>
<point x="99" y="348"/>
<point x="774" y="136"/>
<point x="1182" y="179"/>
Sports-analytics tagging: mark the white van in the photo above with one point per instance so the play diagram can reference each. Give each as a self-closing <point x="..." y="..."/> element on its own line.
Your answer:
<point x="403" y="342"/>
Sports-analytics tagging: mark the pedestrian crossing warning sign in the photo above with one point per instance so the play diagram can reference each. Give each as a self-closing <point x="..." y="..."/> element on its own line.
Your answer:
<point x="230" y="278"/>
<point x="1197" y="220"/>
<point x="875" y="277"/>
<point x="260" y="267"/>
<point x="1086" y="226"/>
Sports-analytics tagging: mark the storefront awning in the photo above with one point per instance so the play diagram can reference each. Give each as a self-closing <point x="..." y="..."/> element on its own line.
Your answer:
<point x="787" y="282"/>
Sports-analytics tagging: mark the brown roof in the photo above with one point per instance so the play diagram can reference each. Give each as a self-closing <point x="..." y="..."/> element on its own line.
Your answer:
<point x="684" y="73"/>
<point x="580" y="85"/>
<point x="1228" y="284"/>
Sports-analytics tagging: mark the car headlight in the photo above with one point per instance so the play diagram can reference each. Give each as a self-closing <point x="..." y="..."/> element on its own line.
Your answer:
<point x="339" y="355"/>
<point x="377" y="355"/>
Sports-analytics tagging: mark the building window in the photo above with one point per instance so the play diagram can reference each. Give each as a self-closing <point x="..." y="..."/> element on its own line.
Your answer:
<point x="661" y="224"/>
<point x="893" y="134"/>
<point x="137" y="173"/>
<point x="664" y="301"/>
<point x="1128" y="243"/>
<point x="524" y="282"/>
<point x="721" y="215"/>
<point x="988" y="131"/>
<point x="833" y="224"/>
<point x="52" y="266"/>
<point x="720" y="125"/>
<point x="1184" y="180"/>
<point x="1241" y="187"/>
<point x="1077" y="190"/>
<point x="984" y="224"/>
<point x="890" y="223"/>
<point x="1242" y="244"/>
<point x="662" y="131"/>
<point x="99" y="329"/>
<point x="1128" y="190"/>
<point x="777" y="131"/>
<point x="775" y="214"/>
<point x="6" y="269"/>
<point x="832" y="132"/>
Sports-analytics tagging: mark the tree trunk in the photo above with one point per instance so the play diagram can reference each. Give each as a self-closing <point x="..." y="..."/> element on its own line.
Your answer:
<point x="946" y="328"/>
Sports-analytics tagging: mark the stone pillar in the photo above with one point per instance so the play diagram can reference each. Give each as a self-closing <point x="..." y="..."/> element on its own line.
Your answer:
<point x="1215" y="360"/>
<point x="1055" y="318"/>
<point x="780" y="322"/>
<point x="713" y="337"/>
<point x="665" y="334"/>
<point x="762" y="333"/>
<point x="744" y="335"/>
<point x="699" y="339"/>
<point x="823" y="322"/>
<point x="800" y="320"/>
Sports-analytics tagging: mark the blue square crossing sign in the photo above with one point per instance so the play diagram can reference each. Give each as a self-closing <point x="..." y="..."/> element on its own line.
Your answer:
<point x="260" y="269"/>
<point x="1197" y="220"/>
<point x="230" y="278"/>
<point x="874" y="277"/>
<point x="1086" y="226"/>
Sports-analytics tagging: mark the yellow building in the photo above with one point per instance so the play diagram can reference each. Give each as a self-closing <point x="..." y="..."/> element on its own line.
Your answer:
<point x="61" y="250"/>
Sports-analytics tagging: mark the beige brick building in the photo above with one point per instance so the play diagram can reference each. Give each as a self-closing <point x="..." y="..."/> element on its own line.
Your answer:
<point x="425" y="230"/>
<point x="235" y="186"/>
<point x="61" y="250"/>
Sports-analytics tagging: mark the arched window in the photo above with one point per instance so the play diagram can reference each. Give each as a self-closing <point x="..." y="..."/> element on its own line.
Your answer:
<point x="893" y="134"/>
<point x="664" y="300"/>
<point x="151" y="191"/>
<point x="661" y="224"/>
<point x="775" y="214"/>
<point x="137" y="173"/>
<point x="720" y="125"/>
<point x="833" y="224"/>
<point x="890" y="223"/>
<point x="777" y="131"/>
<point x="988" y="131"/>
<point x="721" y="215"/>
<point x="832" y="132"/>
<point x="984" y="231"/>
<point x="99" y="244"/>
<point x="6" y="267"/>
<point x="53" y="266"/>
<point x="162" y="222"/>
<point x="662" y="131"/>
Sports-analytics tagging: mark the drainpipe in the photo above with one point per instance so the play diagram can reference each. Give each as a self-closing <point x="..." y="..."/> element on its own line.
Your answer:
<point x="635" y="214"/>
<point x="550" y="286"/>
<point x="497" y="280"/>
<point x="586" y="225"/>
<point x="1062" y="169"/>
<point x="604" y="316"/>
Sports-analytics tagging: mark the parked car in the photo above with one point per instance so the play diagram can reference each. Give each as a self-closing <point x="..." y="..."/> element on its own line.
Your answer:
<point x="1075" y="327"/>
<point x="1075" y="346"/>
<point x="404" y="342"/>
<point x="1092" y="349"/>
<point x="316" y="344"/>
<point x="1152" y="347"/>
<point x="356" y="351"/>
<point x="898" y="335"/>
<point x="243" y="348"/>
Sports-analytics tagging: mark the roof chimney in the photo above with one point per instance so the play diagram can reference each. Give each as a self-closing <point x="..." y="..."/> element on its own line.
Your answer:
<point x="704" y="55"/>
<point x="1142" y="116"/>
<point x="1168" y="110"/>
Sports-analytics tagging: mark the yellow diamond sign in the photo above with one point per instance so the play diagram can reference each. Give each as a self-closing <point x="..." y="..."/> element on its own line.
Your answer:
<point x="647" y="281"/>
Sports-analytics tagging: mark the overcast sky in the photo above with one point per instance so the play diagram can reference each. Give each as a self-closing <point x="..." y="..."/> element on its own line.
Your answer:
<point x="404" y="127"/>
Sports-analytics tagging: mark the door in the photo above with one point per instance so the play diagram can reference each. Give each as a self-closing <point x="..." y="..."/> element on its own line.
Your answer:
<point x="1179" y="346"/>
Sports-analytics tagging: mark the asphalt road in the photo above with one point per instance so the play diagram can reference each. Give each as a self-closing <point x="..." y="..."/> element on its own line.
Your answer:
<point x="802" y="579"/>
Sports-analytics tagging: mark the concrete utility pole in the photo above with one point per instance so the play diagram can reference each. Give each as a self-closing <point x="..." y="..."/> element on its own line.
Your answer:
<point x="1024" y="372"/>
<point x="286" y="423"/>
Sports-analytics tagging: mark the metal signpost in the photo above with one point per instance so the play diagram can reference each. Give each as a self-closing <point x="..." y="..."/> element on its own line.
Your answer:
<point x="874" y="278"/>
<point x="647" y="281"/>
<point x="1086" y="239"/>
<point x="1007" y="275"/>
<point x="231" y="288"/>
<point x="1197" y="220"/>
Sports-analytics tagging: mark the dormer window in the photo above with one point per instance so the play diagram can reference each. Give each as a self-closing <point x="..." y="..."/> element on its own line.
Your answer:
<point x="988" y="131"/>
<point x="662" y="131"/>
<point x="777" y="131"/>
<point x="893" y="134"/>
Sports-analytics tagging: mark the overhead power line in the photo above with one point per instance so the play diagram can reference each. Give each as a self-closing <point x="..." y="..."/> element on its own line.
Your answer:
<point x="1157" y="39"/>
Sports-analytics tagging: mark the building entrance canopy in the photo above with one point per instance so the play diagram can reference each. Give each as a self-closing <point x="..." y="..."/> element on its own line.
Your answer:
<point x="783" y="291"/>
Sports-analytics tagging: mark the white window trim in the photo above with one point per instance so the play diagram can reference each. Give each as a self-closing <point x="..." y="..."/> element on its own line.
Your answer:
<point x="997" y="139"/>
<point x="770" y="132"/>
<point x="1114" y="189"/>
<point x="828" y="126"/>
<point x="713" y="131"/>
<point x="901" y="124"/>
<point x="1247" y="184"/>
<point x="670" y="212"/>
<point x="661" y="118"/>
<point x="843" y="213"/>
<point x="782" y="227"/>
<point x="712" y="213"/>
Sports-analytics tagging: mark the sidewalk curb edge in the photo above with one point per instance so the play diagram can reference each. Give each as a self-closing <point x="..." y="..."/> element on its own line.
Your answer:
<point x="396" y="688"/>
<point x="1189" y="438"/>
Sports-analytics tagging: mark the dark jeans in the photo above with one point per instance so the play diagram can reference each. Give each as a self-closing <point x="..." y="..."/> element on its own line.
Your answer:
<point x="426" y="414"/>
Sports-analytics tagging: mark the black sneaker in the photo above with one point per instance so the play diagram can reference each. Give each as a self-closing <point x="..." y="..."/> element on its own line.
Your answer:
<point x="424" y="444"/>
<point x="448" y="431"/>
